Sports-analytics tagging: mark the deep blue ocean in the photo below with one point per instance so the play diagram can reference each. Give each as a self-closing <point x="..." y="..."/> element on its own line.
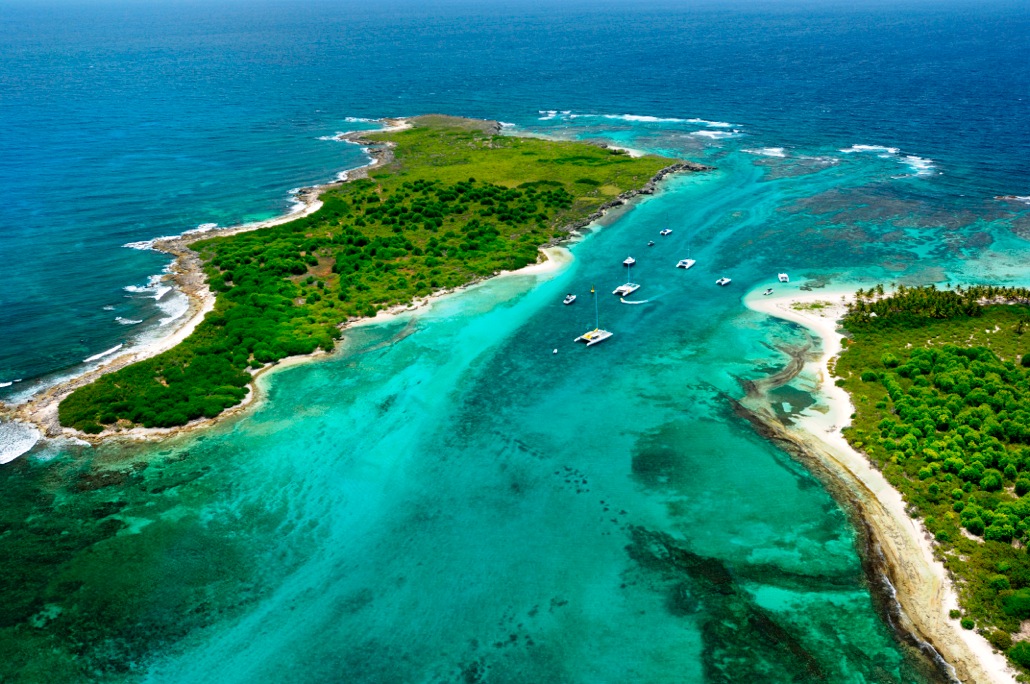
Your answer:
<point x="460" y="505"/>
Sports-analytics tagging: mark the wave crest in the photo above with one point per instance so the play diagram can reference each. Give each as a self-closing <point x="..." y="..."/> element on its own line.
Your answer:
<point x="921" y="166"/>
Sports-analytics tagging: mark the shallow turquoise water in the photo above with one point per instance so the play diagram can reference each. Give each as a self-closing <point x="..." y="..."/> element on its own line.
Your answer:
<point x="444" y="499"/>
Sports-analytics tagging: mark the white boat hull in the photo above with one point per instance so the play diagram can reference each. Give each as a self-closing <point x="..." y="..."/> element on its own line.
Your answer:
<point x="627" y="289"/>
<point x="594" y="337"/>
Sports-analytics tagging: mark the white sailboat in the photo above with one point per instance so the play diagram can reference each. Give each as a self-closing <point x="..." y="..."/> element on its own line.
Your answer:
<point x="596" y="335"/>
<point x="688" y="262"/>
<point x="628" y="287"/>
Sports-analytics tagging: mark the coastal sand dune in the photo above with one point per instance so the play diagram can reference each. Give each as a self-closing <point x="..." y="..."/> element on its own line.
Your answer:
<point x="924" y="591"/>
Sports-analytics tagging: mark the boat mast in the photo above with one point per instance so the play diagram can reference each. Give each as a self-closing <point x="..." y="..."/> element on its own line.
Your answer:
<point x="597" y="314"/>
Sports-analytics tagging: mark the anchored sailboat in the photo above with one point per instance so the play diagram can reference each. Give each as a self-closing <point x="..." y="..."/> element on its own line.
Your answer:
<point x="627" y="288"/>
<point x="688" y="262"/>
<point x="596" y="335"/>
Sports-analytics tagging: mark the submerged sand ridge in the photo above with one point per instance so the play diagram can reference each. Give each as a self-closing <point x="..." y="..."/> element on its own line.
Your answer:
<point x="923" y="589"/>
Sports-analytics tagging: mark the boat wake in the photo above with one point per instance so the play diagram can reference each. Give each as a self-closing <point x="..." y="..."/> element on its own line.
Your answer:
<point x="641" y="301"/>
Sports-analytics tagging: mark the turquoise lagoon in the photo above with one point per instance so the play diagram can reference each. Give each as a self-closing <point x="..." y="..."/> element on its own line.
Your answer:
<point x="446" y="499"/>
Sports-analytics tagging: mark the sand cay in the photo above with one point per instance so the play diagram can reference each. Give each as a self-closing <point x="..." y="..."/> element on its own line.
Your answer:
<point x="923" y="590"/>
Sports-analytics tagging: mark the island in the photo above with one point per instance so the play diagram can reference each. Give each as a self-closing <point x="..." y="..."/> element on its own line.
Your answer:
<point x="446" y="202"/>
<point x="927" y="439"/>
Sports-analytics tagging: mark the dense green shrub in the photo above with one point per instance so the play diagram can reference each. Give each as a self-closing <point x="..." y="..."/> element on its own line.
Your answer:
<point x="1020" y="653"/>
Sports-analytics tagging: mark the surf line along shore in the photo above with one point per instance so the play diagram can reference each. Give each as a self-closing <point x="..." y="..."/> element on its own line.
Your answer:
<point x="922" y="588"/>
<point x="186" y="273"/>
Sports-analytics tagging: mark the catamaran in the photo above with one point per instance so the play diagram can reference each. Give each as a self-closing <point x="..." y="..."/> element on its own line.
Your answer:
<point x="629" y="261"/>
<point x="723" y="281"/>
<point x="596" y="335"/>
<point x="688" y="262"/>
<point x="784" y="278"/>
<point x="629" y="287"/>
<point x="665" y="232"/>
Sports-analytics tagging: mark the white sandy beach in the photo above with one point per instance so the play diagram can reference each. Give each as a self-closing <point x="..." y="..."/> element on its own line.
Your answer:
<point x="924" y="590"/>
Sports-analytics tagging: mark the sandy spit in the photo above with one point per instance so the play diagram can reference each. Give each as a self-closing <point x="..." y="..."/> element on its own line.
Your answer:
<point x="925" y="591"/>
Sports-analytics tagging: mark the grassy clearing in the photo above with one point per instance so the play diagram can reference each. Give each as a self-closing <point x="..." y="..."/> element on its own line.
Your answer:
<point x="457" y="204"/>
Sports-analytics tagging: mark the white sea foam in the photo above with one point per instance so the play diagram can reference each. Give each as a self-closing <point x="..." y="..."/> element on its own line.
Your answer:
<point x="6" y="384"/>
<point x="768" y="152"/>
<point x="548" y="114"/>
<point x="127" y="321"/>
<point x="102" y="354"/>
<point x="174" y="307"/>
<point x="716" y="135"/>
<point x="920" y="166"/>
<point x="203" y="228"/>
<point x="335" y="137"/>
<point x="155" y="287"/>
<point x="297" y="205"/>
<point x="142" y="244"/>
<point x="643" y="118"/>
<point x="16" y="439"/>
<point x="711" y="124"/>
<point x="358" y="119"/>
<point x="108" y="308"/>
<point x="884" y="152"/>
<point x="505" y="124"/>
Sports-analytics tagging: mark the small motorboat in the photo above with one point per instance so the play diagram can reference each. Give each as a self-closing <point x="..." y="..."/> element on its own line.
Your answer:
<point x="767" y="292"/>
<point x="650" y="243"/>
<point x="784" y="278"/>
<point x="665" y="232"/>
<point x="629" y="261"/>
<point x="685" y="263"/>
<point x="624" y="290"/>
<point x="569" y="298"/>
<point x="723" y="282"/>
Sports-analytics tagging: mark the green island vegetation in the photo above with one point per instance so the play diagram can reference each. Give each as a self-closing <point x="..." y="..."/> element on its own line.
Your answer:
<point x="810" y="306"/>
<point x="940" y="380"/>
<point x="457" y="203"/>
